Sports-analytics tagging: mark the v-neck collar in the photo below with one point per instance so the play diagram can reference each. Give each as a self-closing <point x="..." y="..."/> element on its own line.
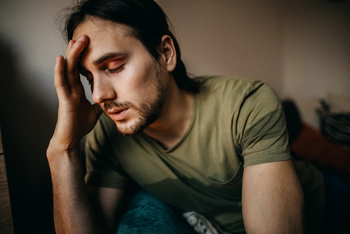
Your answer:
<point x="157" y="145"/>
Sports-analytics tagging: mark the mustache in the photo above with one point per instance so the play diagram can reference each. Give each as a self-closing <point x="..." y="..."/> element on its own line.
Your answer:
<point x="111" y="104"/>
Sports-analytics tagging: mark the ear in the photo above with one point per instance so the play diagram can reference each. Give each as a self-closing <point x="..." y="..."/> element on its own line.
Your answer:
<point x="169" y="52"/>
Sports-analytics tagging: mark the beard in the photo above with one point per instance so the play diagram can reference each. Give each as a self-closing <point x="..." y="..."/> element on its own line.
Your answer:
<point x="147" y="112"/>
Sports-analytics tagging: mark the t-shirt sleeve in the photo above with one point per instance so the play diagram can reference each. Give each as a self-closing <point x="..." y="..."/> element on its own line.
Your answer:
<point x="102" y="166"/>
<point x="262" y="132"/>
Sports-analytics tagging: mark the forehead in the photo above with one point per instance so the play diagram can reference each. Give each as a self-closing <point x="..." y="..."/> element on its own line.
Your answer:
<point x="96" y="28"/>
<point x="105" y="37"/>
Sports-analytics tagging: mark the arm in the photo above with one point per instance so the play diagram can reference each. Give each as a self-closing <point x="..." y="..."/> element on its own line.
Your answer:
<point x="107" y="203"/>
<point x="73" y="212"/>
<point x="272" y="199"/>
<point x="78" y="209"/>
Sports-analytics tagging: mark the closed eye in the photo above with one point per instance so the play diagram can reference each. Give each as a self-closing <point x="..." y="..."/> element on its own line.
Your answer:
<point x="116" y="70"/>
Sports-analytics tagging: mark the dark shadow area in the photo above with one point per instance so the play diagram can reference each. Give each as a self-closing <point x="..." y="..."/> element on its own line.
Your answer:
<point x="26" y="126"/>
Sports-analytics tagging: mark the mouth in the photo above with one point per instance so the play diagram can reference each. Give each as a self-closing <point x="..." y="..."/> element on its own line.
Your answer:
<point x="117" y="114"/>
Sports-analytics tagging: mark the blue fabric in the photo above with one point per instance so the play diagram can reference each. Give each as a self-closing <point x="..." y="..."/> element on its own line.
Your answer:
<point x="337" y="210"/>
<point x="148" y="215"/>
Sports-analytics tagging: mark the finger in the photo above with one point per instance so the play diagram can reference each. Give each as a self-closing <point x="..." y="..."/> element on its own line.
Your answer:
<point x="73" y="56"/>
<point x="69" y="47"/>
<point x="59" y="78"/>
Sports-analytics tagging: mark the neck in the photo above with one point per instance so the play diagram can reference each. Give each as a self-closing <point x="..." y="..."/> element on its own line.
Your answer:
<point x="175" y="117"/>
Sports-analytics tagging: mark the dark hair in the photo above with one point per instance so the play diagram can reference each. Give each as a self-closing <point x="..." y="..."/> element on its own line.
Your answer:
<point x="147" y="21"/>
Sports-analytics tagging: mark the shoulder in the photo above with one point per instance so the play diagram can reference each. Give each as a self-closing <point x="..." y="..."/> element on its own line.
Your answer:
<point x="238" y="93"/>
<point x="228" y="86"/>
<point x="236" y="84"/>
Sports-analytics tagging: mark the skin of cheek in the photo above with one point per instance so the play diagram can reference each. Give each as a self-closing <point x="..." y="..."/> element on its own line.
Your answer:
<point x="139" y="82"/>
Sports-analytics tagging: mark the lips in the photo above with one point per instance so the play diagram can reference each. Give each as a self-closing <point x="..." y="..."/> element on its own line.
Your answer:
<point x="118" y="114"/>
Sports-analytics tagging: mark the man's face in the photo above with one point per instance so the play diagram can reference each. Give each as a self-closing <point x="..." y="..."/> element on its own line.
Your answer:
<point x="125" y="79"/>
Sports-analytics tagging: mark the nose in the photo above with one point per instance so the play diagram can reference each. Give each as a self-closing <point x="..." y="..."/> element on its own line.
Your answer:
<point x="102" y="90"/>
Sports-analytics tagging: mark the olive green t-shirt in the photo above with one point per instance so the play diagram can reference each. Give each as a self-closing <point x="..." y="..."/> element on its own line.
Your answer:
<point x="236" y="123"/>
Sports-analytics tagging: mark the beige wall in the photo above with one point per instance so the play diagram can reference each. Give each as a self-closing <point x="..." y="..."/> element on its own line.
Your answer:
<point x="302" y="50"/>
<point x="236" y="38"/>
<point x="316" y="55"/>
<point x="316" y="49"/>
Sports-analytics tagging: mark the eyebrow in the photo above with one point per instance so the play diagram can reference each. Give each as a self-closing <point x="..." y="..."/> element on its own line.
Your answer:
<point x="107" y="56"/>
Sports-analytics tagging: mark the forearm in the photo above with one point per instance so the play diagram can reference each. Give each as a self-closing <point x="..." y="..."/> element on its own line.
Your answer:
<point x="73" y="212"/>
<point x="72" y="209"/>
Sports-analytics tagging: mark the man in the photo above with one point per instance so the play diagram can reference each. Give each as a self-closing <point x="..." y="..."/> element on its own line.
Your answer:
<point x="212" y="148"/>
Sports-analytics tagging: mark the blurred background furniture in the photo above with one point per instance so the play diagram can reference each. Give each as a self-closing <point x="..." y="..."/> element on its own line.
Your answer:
<point x="6" y="225"/>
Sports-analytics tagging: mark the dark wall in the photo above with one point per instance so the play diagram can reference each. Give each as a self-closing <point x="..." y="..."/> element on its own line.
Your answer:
<point x="26" y="126"/>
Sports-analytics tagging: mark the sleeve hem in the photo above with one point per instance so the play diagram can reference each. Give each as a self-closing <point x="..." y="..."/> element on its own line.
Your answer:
<point x="263" y="158"/>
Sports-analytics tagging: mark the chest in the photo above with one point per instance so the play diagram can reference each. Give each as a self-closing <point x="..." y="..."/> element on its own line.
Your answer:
<point x="204" y="159"/>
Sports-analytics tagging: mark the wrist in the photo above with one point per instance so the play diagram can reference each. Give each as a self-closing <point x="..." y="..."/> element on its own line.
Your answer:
<point x="56" y="149"/>
<point x="63" y="161"/>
